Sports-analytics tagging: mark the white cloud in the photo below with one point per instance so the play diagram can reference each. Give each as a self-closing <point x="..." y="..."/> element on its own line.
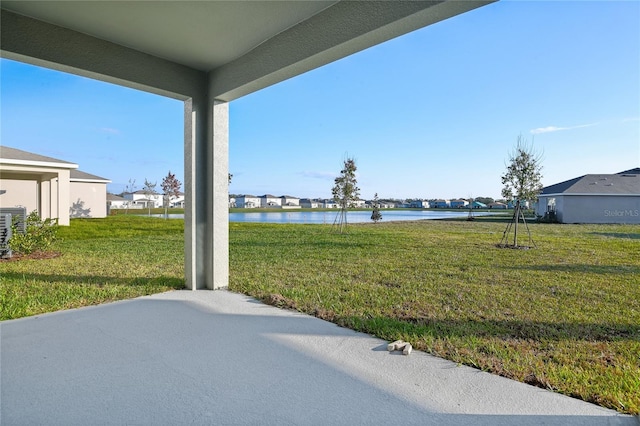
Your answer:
<point x="550" y="129"/>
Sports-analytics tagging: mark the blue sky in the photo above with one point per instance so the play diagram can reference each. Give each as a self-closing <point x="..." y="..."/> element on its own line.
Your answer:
<point x="432" y="114"/>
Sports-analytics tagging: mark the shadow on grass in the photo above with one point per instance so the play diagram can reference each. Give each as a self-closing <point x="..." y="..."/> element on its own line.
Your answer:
<point x="94" y="280"/>
<point x="482" y="219"/>
<point x="618" y="235"/>
<point x="586" y="269"/>
<point x="508" y="330"/>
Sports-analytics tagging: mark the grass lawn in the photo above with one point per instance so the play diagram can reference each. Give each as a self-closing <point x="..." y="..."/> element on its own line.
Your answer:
<point x="102" y="260"/>
<point x="564" y="316"/>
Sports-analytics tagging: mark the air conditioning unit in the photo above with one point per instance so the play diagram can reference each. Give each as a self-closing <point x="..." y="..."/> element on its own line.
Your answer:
<point x="7" y="216"/>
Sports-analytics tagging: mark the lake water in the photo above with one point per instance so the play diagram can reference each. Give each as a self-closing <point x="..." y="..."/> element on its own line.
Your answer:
<point x="328" y="217"/>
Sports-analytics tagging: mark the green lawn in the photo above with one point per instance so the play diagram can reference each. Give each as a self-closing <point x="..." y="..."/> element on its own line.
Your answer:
<point x="102" y="260"/>
<point x="565" y="316"/>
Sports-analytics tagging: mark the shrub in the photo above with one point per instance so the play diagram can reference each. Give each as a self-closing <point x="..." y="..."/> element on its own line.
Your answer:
<point x="39" y="234"/>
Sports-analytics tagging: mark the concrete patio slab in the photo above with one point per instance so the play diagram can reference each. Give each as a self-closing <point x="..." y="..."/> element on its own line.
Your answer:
<point x="216" y="357"/>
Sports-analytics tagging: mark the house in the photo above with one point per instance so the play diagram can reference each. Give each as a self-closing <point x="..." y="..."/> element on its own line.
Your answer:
<point x="497" y="205"/>
<point x="53" y="187"/>
<point x="115" y="202"/>
<point x="289" y="201"/>
<point x="441" y="204"/>
<point x="308" y="203"/>
<point x="270" y="201"/>
<point x="143" y="199"/>
<point x="329" y="204"/>
<point x="594" y="198"/>
<point x="248" y="202"/>
<point x="458" y="204"/>
<point x="478" y="205"/>
<point x="177" y="201"/>
<point x="523" y="204"/>
<point x="419" y="204"/>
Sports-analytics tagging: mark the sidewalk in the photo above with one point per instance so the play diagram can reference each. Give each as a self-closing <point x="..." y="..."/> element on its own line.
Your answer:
<point x="216" y="357"/>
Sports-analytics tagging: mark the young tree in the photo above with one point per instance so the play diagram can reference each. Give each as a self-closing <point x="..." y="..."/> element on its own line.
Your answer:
<point x="522" y="181"/>
<point x="170" y="188"/>
<point x="130" y="188"/>
<point x="376" y="216"/>
<point x="149" y="190"/>
<point x="345" y="192"/>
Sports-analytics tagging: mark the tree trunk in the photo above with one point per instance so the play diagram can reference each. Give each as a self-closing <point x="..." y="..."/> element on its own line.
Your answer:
<point x="516" y="215"/>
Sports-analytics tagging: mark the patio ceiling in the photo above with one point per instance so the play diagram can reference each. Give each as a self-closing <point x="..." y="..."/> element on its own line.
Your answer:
<point x="243" y="46"/>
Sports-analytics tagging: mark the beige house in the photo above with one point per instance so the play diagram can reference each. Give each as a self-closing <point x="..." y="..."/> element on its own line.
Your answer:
<point x="53" y="187"/>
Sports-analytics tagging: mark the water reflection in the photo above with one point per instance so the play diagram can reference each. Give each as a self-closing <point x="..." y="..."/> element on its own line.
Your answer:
<point x="328" y="217"/>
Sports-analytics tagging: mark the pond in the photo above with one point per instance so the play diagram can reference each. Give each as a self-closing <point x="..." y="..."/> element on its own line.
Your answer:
<point x="328" y="217"/>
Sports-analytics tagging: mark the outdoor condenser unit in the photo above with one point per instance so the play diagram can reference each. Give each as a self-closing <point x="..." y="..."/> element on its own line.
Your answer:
<point x="7" y="215"/>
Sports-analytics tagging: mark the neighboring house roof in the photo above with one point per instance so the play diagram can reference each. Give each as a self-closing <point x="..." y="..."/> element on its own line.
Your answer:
<point x="80" y="176"/>
<point x="10" y="155"/>
<point x="114" y="197"/>
<point x="623" y="183"/>
<point x="143" y="192"/>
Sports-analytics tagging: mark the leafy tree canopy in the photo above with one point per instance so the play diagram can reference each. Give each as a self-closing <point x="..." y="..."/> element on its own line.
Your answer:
<point x="522" y="179"/>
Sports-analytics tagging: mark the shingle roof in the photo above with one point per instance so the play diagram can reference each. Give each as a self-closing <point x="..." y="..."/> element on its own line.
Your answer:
<point x="8" y="153"/>
<point x="114" y="197"/>
<point x="627" y="183"/>
<point x="80" y="175"/>
<point x="635" y="171"/>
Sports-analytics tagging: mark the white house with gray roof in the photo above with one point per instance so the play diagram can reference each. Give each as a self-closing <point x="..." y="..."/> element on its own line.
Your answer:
<point x="247" y="202"/>
<point x="596" y="198"/>
<point x="53" y="187"/>
<point x="268" y="200"/>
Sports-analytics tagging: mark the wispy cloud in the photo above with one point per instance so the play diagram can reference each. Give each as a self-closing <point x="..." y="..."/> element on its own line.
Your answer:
<point x="626" y="120"/>
<point x="110" y="130"/>
<point x="317" y="175"/>
<point x="550" y="129"/>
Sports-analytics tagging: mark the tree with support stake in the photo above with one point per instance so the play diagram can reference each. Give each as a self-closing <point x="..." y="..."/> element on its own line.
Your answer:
<point x="376" y="216"/>
<point x="345" y="192"/>
<point x="171" y="189"/>
<point x="522" y="181"/>
<point x="149" y="190"/>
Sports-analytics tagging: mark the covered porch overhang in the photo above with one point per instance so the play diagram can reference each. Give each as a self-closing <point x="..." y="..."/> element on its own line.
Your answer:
<point x="52" y="188"/>
<point x="205" y="54"/>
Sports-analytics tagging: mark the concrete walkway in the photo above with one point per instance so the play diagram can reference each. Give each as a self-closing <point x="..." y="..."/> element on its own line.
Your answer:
<point x="222" y="358"/>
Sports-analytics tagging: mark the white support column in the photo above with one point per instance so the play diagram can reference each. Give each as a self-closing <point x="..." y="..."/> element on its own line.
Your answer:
<point x="43" y="187"/>
<point x="206" y="193"/>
